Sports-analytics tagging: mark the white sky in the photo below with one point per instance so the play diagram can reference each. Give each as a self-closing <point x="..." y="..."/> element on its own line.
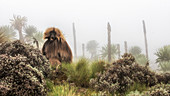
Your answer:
<point x="91" y="17"/>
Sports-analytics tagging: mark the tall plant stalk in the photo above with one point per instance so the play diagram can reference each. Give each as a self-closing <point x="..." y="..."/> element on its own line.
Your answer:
<point x="125" y="43"/>
<point x="83" y="49"/>
<point x="118" y="48"/>
<point x="146" y="44"/>
<point x="74" y="36"/>
<point x="109" y="42"/>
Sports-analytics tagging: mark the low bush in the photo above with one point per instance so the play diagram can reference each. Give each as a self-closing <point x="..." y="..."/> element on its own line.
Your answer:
<point x="63" y="90"/>
<point x="122" y="74"/>
<point x="78" y="73"/>
<point x="136" y="88"/>
<point x="158" y="90"/>
<point x="22" y="70"/>
<point x="96" y="67"/>
<point x="163" y="78"/>
<point x="164" y="66"/>
<point x="141" y="59"/>
<point x="134" y="93"/>
<point x="81" y="72"/>
<point x="29" y="53"/>
<point x="70" y="90"/>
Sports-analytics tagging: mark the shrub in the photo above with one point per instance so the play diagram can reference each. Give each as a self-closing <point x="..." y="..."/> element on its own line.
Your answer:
<point x="141" y="59"/>
<point x="63" y="90"/>
<point x="31" y="55"/>
<point x="134" y="93"/>
<point x="3" y="37"/>
<point x="137" y="88"/>
<point x="18" y="74"/>
<point x="165" y="66"/>
<point x="122" y="74"/>
<point x="163" y="78"/>
<point x="79" y="73"/>
<point x="96" y="67"/>
<point x="22" y="70"/>
<point x="163" y="59"/>
<point x="3" y="90"/>
<point x="158" y="90"/>
<point x="49" y="85"/>
<point x="70" y="90"/>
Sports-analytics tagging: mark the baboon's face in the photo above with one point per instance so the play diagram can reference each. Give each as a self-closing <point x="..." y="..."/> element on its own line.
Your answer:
<point x="52" y="35"/>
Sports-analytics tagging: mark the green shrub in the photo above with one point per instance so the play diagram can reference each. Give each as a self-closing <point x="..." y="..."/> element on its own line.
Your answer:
<point x="134" y="93"/>
<point x="63" y="90"/>
<point x="49" y="85"/>
<point x="165" y="66"/>
<point x="70" y="90"/>
<point x="78" y="73"/>
<point x="3" y="37"/>
<point x="163" y="59"/>
<point x="96" y="67"/>
<point x="141" y="59"/>
<point x="137" y="88"/>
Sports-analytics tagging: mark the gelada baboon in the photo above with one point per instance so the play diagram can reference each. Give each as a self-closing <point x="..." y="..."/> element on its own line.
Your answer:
<point x="56" y="49"/>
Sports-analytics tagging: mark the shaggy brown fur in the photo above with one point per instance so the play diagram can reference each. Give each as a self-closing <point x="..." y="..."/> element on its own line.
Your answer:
<point x="56" y="50"/>
<point x="58" y="33"/>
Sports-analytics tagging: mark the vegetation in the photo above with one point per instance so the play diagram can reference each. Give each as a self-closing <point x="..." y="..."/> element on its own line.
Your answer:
<point x="32" y="35"/>
<point x="109" y="42"/>
<point x="22" y="70"/>
<point x="39" y="37"/>
<point x="92" y="48"/>
<point x="165" y="66"/>
<point x="63" y="90"/>
<point x="163" y="54"/>
<point x="122" y="74"/>
<point x="8" y="32"/>
<point x="135" y="50"/>
<point x="163" y="78"/>
<point x="81" y="72"/>
<point x="123" y="77"/>
<point x="18" y="23"/>
<point x="3" y="37"/>
<point x="146" y="42"/>
<point x="74" y="36"/>
<point x="158" y="90"/>
<point x="163" y="59"/>
<point x="139" y="57"/>
<point x="70" y="90"/>
<point x="104" y="51"/>
<point x="137" y="87"/>
<point x="134" y="93"/>
<point x="97" y="67"/>
<point x="29" y="31"/>
<point x="25" y="71"/>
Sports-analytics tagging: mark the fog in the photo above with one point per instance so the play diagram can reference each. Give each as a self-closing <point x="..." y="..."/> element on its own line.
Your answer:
<point x="91" y="18"/>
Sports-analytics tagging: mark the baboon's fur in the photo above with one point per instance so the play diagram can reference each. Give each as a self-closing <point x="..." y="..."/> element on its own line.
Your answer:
<point x="58" y="35"/>
<point x="56" y="50"/>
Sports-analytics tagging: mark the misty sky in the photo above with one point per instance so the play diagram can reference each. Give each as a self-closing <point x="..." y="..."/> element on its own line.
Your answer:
<point x="91" y="17"/>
